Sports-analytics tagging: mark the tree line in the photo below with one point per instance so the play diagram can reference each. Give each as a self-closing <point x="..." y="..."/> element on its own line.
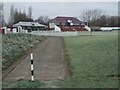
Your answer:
<point x="94" y="17"/>
<point x="2" y="22"/>
<point x="97" y="17"/>
<point x="17" y="15"/>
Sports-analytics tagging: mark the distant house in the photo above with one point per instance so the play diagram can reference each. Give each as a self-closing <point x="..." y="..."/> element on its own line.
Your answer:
<point x="23" y="27"/>
<point x="8" y="30"/>
<point x="31" y="26"/>
<point x="67" y="24"/>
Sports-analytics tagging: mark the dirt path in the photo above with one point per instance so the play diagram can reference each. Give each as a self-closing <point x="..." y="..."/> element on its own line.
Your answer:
<point x="49" y="62"/>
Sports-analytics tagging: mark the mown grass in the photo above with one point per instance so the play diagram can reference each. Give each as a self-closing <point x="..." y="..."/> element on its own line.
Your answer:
<point x="23" y="84"/>
<point x="15" y="45"/>
<point x="93" y="61"/>
<point x="29" y="84"/>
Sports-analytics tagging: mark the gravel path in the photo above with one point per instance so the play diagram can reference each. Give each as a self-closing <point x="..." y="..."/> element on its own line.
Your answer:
<point x="49" y="63"/>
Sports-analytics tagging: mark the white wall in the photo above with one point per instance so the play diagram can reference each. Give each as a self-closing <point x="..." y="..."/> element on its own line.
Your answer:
<point x="88" y="28"/>
<point x="51" y="25"/>
<point x="54" y="33"/>
<point x="14" y="30"/>
<point x="109" y="28"/>
<point x="72" y="33"/>
<point x="57" y="29"/>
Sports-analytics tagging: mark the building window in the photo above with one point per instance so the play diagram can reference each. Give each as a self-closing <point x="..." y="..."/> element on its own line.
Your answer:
<point x="67" y="23"/>
<point x="76" y="23"/>
<point x="62" y="23"/>
<point x="82" y="23"/>
<point x="57" y="23"/>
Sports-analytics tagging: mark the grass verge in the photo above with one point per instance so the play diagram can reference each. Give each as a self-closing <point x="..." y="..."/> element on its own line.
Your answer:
<point x="93" y="61"/>
<point x="15" y="45"/>
<point x="29" y="84"/>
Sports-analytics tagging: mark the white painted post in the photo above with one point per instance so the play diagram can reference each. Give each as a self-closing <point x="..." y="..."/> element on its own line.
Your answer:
<point x="32" y="69"/>
<point x="76" y="32"/>
<point x="5" y="29"/>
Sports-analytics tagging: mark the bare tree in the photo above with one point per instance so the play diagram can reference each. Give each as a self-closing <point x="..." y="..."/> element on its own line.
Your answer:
<point x="113" y="20"/>
<point x="21" y="16"/>
<point x="91" y="15"/>
<point x="43" y="20"/>
<point x="11" y="17"/>
<point x="1" y="15"/>
<point x="17" y="15"/>
<point x="30" y="12"/>
<point x="103" y="20"/>
<point x="86" y="15"/>
<point x="96" y="14"/>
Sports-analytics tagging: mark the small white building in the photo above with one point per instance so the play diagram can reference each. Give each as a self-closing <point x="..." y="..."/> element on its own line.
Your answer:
<point x="23" y="27"/>
<point x="31" y="26"/>
<point x="109" y="28"/>
<point x="8" y="30"/>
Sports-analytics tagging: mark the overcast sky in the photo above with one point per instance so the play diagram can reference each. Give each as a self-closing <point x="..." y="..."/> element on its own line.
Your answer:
<point x="53" y="9"/>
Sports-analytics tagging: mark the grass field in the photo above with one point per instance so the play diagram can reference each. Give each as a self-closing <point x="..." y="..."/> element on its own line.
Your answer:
<point x="93" y="61"/>
<point x="15" y="45"/>
<point x="29" y="84"/>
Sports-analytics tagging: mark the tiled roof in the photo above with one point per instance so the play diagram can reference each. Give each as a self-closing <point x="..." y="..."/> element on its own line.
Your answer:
<point x="28" y="24"/>
<point x="64" y="19"/>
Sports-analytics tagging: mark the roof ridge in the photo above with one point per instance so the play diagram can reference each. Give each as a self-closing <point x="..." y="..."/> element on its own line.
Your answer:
<point x="64" y="17"/>
<point x="27" y="22"/>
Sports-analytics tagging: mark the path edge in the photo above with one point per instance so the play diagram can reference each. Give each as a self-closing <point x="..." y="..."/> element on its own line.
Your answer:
<point x="22" y="58"/>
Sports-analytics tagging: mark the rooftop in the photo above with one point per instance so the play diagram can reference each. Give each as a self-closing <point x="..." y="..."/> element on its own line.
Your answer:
<point x="65" y="19"/>
<point x="28" y="24"/>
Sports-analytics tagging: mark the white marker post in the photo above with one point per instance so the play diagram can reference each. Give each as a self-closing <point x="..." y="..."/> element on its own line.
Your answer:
<point x="32" y="69"/>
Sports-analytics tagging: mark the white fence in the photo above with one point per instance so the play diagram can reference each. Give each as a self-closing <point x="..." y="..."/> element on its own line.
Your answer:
<point x="109" y="28"/>
<point x="72" y="33"/>
<point x="53" y="33"/>
<point x="97" y="33"/>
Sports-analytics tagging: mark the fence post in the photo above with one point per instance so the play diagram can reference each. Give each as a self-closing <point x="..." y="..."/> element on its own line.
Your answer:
<point x="90" y="33"/>
<point x="32" y="69"/>
<point x="76" y="32"/>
